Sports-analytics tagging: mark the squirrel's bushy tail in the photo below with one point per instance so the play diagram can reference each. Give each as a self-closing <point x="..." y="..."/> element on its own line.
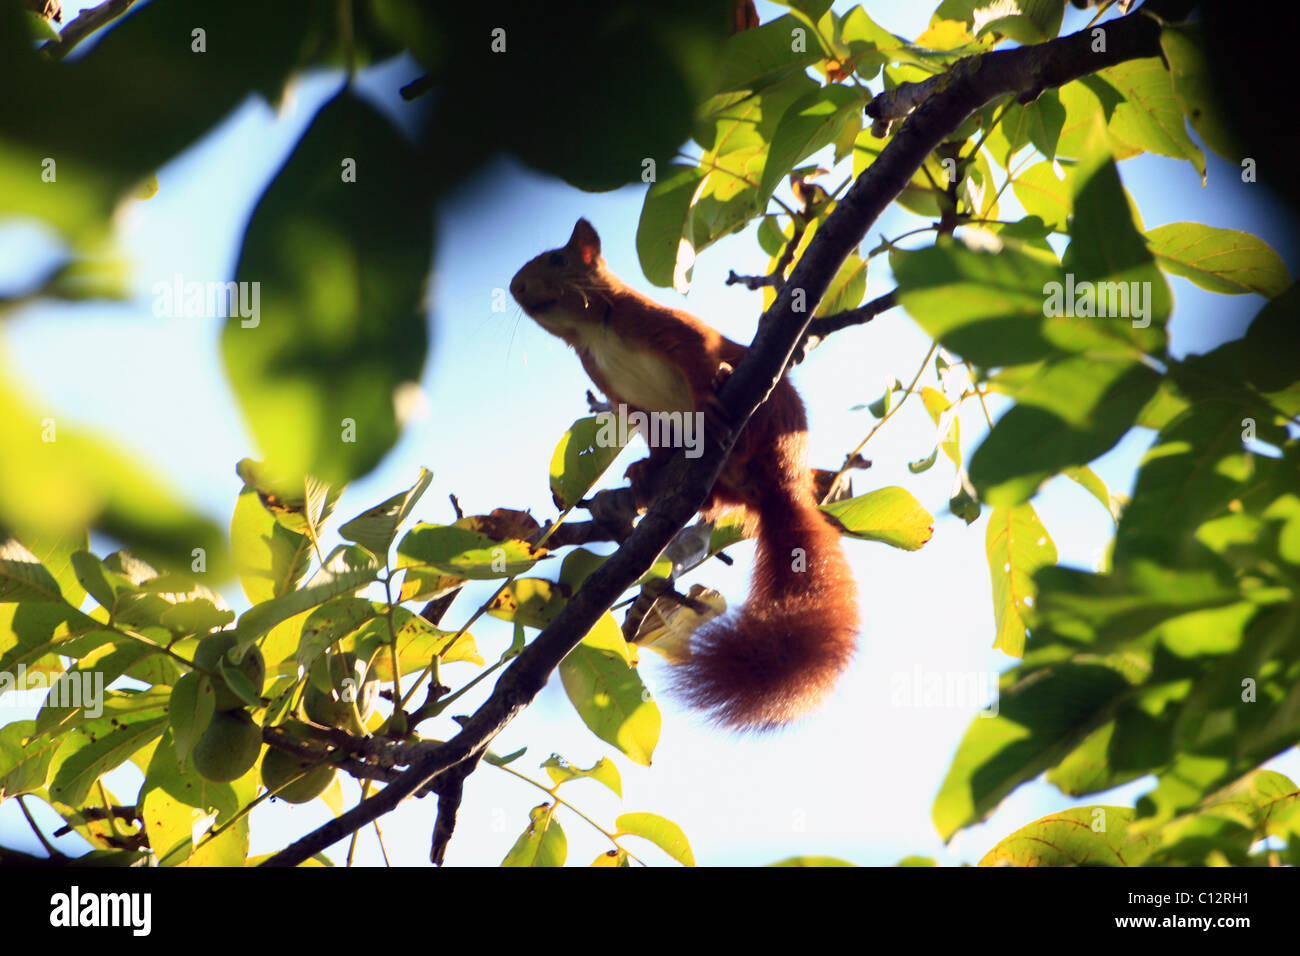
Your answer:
<point x="776" y="658"/>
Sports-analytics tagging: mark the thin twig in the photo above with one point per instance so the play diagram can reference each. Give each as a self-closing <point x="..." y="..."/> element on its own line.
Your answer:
<point x="31" y="822"/>
<point x="852" y="456"/>
<point x="820" y="328"/>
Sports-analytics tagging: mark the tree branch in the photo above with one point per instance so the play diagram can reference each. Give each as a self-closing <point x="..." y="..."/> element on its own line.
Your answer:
<point x="83" y="25"/>
<point x="973" y="82"/>
<point x="821" y="327"/>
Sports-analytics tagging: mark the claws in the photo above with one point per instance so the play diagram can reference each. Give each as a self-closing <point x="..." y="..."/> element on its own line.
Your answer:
<point x="716" y="419"/>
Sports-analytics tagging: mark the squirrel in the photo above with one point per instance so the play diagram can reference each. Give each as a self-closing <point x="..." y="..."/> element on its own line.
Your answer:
<point x="777" y="657"/>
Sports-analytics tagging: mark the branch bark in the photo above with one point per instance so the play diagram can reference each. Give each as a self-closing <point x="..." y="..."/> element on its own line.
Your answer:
<point x="83" y="25"/>
<point x="971" y="84"/>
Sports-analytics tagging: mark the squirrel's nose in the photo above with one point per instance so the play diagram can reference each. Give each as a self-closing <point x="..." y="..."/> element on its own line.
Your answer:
<point x="517" y="285"/>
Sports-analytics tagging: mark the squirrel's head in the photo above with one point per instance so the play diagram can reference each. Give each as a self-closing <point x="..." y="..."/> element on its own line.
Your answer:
<point x="567" y="277"/>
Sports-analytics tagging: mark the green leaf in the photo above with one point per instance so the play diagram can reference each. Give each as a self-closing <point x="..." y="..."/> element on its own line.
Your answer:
<point x="346" y="571"/>
<point x="187" y="97"/>
<point x="505" y="761"/>
<point x="1045" y="190"/>
<point x="889" y="515"/>
<point x="847" y="289"/>
<point x="947" y="425"/>
<point x="1089" y="103"/>
<point x="1150" y="116"/>
<point x="331" y="622"/>
<point x="608" y="693"/>
<point x="375" y="528"/>
<point x="170" y="827"/>
<point x="24" y="763"/>
<point x="948" y="44"/>
<point x="1088" y="479"/>
<point x="1040" y="718"/>
<point x="1268" y="345"/>
<point x="1039" y="123"/>
<point x="666" y="219"/>
<point x="301" y="504"/>
<point x="922" y="465"/>
<point x="735" y="130"/>
<point x="663" y="833"/>
<point x="180" y="807"/>
<point x="341" y="268"/>
<point x="542" y="844"/>
<point x="1221" y="260"/>
<point x="55" y="554"/>
<point x="1083" y="836"/>
<point x="533" y="602"/>
<point x="881" y="406"/>
<point x="144" y="598"/>
<point x="801" y="861"/>
<point x="1108" y="251"/>
<point x="1194" y="87"/>
<point x="1025" y="21"/>
<point x="1088" y="768"/>
<point x="578" y="565"/>
<point x="192" y="704"/>
<point x="581" y="457"/>
<point x="269" y="558"/>
<point x="603" y="770"/>
<point x="962" y="500"/>
<point x="1017" y="545"/>
<point x="811" y="122"/>
<point x="464" y="553"/>
<point x="1016" y="27"/>
<point x="418" y="642"/>
<point x="1071" y="411"/>
<point x="752" y="57"/>
<point x="31" y="635"/>
<point x="104" y="744"/>
<point x="1195" y="467"/>
<point x="59" y="481"/>
<point x="81" y="689"/>
<point x="23" y="577"/>
<point x="986" y="308"/>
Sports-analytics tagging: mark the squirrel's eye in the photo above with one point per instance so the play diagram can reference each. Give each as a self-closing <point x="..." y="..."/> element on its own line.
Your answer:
<point x="559" y="260"/>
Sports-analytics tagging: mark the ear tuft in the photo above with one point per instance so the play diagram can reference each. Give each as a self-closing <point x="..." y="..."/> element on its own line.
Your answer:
<point x="584" y="242"/>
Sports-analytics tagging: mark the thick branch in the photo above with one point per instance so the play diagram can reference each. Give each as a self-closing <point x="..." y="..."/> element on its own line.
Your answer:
<point x="973" y="83"/>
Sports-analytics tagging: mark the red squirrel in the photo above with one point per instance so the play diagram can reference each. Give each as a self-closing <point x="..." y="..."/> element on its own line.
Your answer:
<point x="777" y="657"/>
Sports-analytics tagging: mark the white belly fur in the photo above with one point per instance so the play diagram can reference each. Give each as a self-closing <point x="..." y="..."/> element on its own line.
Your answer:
<point x="642" y="378"/>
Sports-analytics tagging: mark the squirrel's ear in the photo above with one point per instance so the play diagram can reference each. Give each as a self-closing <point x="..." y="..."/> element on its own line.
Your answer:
<point x="585" y="242"/>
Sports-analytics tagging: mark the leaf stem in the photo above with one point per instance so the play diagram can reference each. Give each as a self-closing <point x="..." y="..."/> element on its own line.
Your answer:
<point x="551" y="791"/>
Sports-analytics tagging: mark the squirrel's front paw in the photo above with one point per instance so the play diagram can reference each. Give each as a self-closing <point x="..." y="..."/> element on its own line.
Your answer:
<point x="716" y="418"/>
<point x="640" y="475"/>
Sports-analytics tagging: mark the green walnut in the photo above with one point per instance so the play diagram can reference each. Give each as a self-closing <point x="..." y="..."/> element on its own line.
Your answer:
<point x="280" y="766"/>
<point x="229" y="747"/>
<point x="207" y="657"/>
<point x="347" y="677"/>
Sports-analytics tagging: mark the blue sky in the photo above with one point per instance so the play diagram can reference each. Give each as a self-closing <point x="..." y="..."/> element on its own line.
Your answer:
<point x="856" y="781"/>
